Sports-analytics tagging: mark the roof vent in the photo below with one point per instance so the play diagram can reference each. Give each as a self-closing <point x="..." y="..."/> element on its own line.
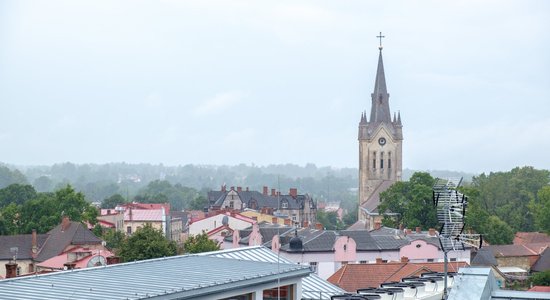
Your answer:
<point x="295" y="243"/>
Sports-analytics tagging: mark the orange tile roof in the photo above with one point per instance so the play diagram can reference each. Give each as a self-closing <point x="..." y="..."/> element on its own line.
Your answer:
<point x="352" y="277"/>
<point x="523" y="238"/>
<point x="539" y="288"/>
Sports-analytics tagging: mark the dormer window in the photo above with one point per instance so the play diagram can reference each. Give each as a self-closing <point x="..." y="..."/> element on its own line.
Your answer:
<point x="284" y="204"/>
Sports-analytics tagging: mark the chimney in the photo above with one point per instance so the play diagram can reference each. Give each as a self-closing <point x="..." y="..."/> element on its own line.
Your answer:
<point x="274" y="220"/>
<point x="69" y="265"/>
<point x="239" y="189"/>
<point x="223" y="188"/>
<point x="418" y="229"/>
<point x="247" y="189"/>
<point x="265" y="191"/>
<point x="65" y="222"/>
<point x="404" y="259"/>
<point x="401" y="227"/>
<point x="377" y="225"/>
<point x="379" y="260"/>
<point x="232" y="188"/>
<point x="113" y="260"/>
<point x="11" y="270"/>
<point x="305" y="224"/>
<point x="287" y="222"/>
<point x="318" y="226"/>
<point x="254" y="218"/>
<point x="273" y="192"/>
<point x="432" y="231"/>
<point x="293" y="192"/>
<point x="408" y="231"/>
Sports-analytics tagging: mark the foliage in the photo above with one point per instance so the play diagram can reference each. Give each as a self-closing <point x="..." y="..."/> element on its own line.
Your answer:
<point x="409" y="202"/>
<point x="540" y="209"/>
<point x="507" y="195"/>
<point x="200" y="243"/>
<point x="113" y="238"/>
<point x="147" y="242"/>
<point x="541" y="278"/>
<point x="44" y="211"/>
<point x="198" y="203"/>
<point x="113" y="201"/>
<point x="16" y="193"/>
<point x="329" y="220"/>
<point x="350" y="217"/>
<point x="161" y="191"/>
<point x="8" y="177"/>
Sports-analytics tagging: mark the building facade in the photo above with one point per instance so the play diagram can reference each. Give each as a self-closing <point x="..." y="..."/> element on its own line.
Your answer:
<point x="380" y="150"/>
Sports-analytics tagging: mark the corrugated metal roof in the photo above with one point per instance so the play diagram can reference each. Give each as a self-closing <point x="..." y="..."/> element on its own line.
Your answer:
<point x="313" y="287"/>
<point x="166" y="278"/>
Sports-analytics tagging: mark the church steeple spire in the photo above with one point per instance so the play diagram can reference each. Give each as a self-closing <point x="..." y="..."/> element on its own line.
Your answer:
<point x="380" y="108"/>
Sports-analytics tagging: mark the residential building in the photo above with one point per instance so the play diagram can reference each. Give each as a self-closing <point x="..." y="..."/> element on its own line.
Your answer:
<point x="380" y="150"/>
<point x="219" y="225"/>
<point x="301" y="209"/>
<point x="23" y="252"/>
<point x="523" y="238"/>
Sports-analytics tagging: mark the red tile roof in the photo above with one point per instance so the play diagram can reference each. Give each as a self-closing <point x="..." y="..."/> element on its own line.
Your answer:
<point x="523" y="238"/>
<point x="352" y="277"/>
<point x="511" y="250"/>
<point x="539" y="288"/>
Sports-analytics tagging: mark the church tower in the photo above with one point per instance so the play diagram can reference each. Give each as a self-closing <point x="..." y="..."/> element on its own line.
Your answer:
<point x="380" y="149"/>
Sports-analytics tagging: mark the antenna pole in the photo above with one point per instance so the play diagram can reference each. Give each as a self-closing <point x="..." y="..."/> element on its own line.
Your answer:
<point x="445" y="270"/>
<point x="279" y="237"/>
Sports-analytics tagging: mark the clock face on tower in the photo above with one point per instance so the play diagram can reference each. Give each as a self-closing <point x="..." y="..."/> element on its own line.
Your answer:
<point x="382" y="141"/>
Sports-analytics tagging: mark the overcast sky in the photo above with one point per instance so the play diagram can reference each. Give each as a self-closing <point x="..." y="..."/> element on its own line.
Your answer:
<point x="228" y="82"/>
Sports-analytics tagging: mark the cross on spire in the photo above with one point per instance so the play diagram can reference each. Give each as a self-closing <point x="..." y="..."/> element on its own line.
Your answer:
<point x="380" y="37"/>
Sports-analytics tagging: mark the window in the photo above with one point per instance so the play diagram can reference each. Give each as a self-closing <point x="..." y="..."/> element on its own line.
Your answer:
<point x="363" y="262"/>
<point x="129" y="230"/>
<point x="284" y="204"/>
<point x="389" y="163"/>
<point x="294" y="217"/>
<point x="282" y="293"/>
<point x="231" y="204"/>
<point x="374" y="160"/>
<point x="381" y="163"/>
<point x="430" y="260"/>
<point x="313" y="266"/>
<point x="453" y="259"/>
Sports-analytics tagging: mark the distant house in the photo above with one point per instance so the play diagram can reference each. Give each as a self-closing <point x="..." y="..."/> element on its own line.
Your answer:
<point x="219" y="225"/>
<point x="24" y="252"/>
<point x="524" y="238"/>
<point x="301" y="209"/>
<point x="520" y="256"/>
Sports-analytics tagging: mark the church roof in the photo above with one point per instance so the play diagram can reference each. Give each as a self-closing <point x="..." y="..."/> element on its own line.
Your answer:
<point x="380" y="111"/>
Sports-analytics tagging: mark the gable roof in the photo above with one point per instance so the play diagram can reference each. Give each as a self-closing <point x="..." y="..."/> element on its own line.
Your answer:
<point x="484" y="257"/>
<point x="352" y="277"/>
<point x="74" y="234"/>
<point x="543" y="263"/>
<point x="23" y="242"/>
<point x="370" y="206"/>
<point x="511" y="250"/>
<point x="522" y="238"/>
<point x="216" y="198"/>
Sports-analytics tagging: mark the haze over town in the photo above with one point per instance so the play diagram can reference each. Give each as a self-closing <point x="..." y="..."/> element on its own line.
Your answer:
<point x="266" y="83"/>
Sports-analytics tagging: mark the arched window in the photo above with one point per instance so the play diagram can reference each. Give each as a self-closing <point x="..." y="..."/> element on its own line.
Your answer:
<point x="389" y="160"/>
<point x="381" y="160"/>
<point x="374" y="160"/>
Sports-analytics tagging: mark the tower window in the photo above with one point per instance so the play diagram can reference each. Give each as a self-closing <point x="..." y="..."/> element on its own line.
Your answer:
<point x="389" y="163"/>
<point x="381" y="163"/>
<point x="374" y="160"/>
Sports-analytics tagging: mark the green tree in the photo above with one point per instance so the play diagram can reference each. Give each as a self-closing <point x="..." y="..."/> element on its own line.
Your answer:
<point x="198" y="203"/>
<point x="147" y="242"/>
<point x="10" y="219"/>
<point x="113" y="201"/>
<point x="409" y="203"/>
<point x="350" y="217"/>
<point x="329" y="220"/>
<point x="199" y="243"/>
<point x="8" y="177"/>
<point x="541" y="278"/>
<point x="16" y="193"/>
<point x="540" y="210"/>
<point x="497" y="232"/>
<point x="113" y="238"/>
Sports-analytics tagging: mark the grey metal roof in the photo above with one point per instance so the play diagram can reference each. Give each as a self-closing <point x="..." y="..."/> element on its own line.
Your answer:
<point x="23" y="242"/>
<point x="484" y="257"/>
<point x="247" y="197"/>
<point x="165" y="278"/>
<point x="313" y="287"/>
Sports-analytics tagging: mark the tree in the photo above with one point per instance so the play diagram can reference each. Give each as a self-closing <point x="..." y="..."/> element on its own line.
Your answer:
<point x="541" y="278"/>
<point x="199" y="243"/>
<point x="147" y="242"/>
<point x="540" y="209"/>
<point x="113" y="201"/>
<point x="409" y="203"/>
<point x="497" y="232"/>
<point x="113" y="238"/>
<point x="16" y="193"/>
<point x="198" y="203"/>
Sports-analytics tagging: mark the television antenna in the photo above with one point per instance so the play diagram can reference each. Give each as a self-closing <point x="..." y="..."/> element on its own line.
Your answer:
<point x="451" y="212"/>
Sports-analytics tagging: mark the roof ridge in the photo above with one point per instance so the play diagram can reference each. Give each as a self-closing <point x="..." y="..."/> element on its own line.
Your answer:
<point x="402" y="266"/>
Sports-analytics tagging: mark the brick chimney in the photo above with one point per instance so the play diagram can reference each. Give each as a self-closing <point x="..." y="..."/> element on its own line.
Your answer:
<point x="65" y="222"/>
<point x="404" y="259"/>
<point x="11" y="270"/>
<point x="69" y="265"/>
<point x="432" y="231"/>
<point x="274" y="220"/>
<point x="418" y="229"/>
<point x="113" y="260"/>
<point x="287" y="222"/>
<point x="239" y="189"/>
<point x="273" y="193"/>
<point x="293" y="192"/>
<point x="223" y="188"/>
<point x="305" y="224"/>
<point x="377" y="225"/>
<point x="318" y="226"/>
<point x="379" y="260"/>
<point x="265" y="191"/>
<point x="408" y="231"/>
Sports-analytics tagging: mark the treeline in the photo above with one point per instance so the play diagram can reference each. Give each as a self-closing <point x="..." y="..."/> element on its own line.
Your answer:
<point x="500" y="203"/>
